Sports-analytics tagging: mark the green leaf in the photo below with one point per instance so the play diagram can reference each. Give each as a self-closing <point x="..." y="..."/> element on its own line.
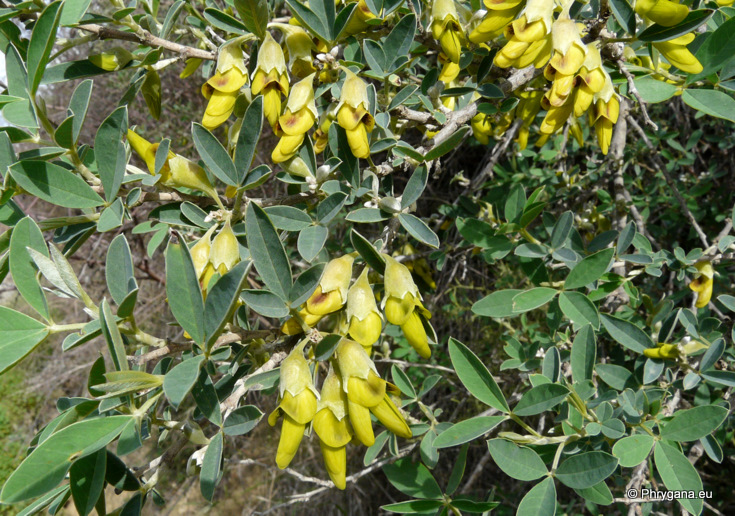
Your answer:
<point x="534" y="298"/>
<point x="584" y="354"/>
<point x="467" y="430"/>
<point x="19" y="335"/>
<point x="498" y="304"/>
<point x="598" y="494"/>
<point x="309" y="19"/>
<point x="615" y="376"/>
<point x="678" y="474"/>
<point x="305" y="284"/>
<point x="265" y="303"/>
<point x="119" y="269"/>
<point x="447" y="145"/>
<point x="367" y="215"/>
<point x="214" y="155"/>
<point x="562" y="229"/>
<point x="540" y="500"/>
<point x="311" y="240"/>
<point x="326" y="347"/>
<point x="110" y="151"/>
<point x="540" y="399"/>
<point x="579" y="309"/>
<point x="73" y="12"/>
<point x="402" y="381"/>
<point x="586" y="469"/>
<point x="182" y="289"/>
<point x="518" y="462"/>
<point x="330" y="207"/>
<point x="27" y="234"/>
<point x="48" y="463"/>
<point x="716" y="50"/>
<point x="627" y="333"/>
<point x="79" y="103"/>
<point x="224" y="21"/>
<point x="112" y="335"/>
<point x="87" y="479"/>
<point x="374" y="56"/>
<point x="457" y="470"/>
<point x="633" y="450"/>
<point x="475" y="377"/>
<point x="590" y="269"/>
<point x="625" y="15"/>
<point x="205" y="396"/>
<point x="417" y="182"/>
<point x="42" y="42"/>
<point x="254" y="14"/>
<point x="412" y="478"/>
<point x="367" y="251"/>
<point x="712" y="102"/>
<point x="288" y="218"/>
<point x="242" y="420"/>
<point x="654" y="91"/>
<point x="398" y="42"/>
<point x="418" y="229"/>
<point x="54" y="184"/>
<point x="656" y="32"/>
<point x="211" y="466"/>
<point x="178" y="381"/>
<point x="403" y="95"/>
<point x="222" y="301"/>
<point x="694" y="423"/>
<point x="267" y="251"/>
<point x="325" y="10"/>
<point x="413" y="506"/>
<point x="247" y="139"/>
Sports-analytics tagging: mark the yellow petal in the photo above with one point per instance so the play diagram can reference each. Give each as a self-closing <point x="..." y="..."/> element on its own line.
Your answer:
<point x="229" y="82"/>
<point x="415" y="333"/>
<point x="302" y="407"/>
<point x="335" y="460"/>
<point x="451" y="45"/>
<point x="272" y="105"/>
<point x="397" y="311"/>
<point x="391" y="418"/>
<point x="291" y="435"/>
<point x="296" y="123"/>
<point x="361" y="423"/>
<point x="286" y="148"/>
<point x="225" y="251"/>
<point x="604" y="129"/>
<point x="324" y="303"/>
<point x="331" y="431"/>
<point x="358" y="141"/>
<point x="366" y="332"/>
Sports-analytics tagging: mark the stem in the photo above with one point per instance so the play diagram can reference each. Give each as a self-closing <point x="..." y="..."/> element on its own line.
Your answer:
<point x="59" y="328"/>
<point x="528" y="236"/>
<point x="525" y="426"/>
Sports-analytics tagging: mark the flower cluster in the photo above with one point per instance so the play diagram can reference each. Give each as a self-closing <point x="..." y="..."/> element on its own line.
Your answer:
<point x="356" y="305"/>
<point x="350" y="393"/>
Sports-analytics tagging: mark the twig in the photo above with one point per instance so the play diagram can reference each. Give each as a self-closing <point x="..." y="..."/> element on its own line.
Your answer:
<point x="146" y="38"/>
<point x="414" y="364"/>
<point x="497" y="152"/>
<point x="240" y="389"/>
<point x="634" y="91"/>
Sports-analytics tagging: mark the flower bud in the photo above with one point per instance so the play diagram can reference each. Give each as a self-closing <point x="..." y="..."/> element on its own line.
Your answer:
<point x="200" y="251"/>
<point x="270" y="78"/>
<point x="676" y="52"/>
<point x="365" y="322"/>
<point x="445" y="28"/>
<point x="401" y="293"/>
<point x="112" y="60"/>
<point x="225" y="251"/>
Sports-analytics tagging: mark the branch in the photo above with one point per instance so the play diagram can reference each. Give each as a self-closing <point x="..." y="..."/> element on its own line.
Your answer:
<point x="241" y="389"/>
<point x="146" y="38"/>
<point x="661" y="167"/>
<point x="634" y="91"/>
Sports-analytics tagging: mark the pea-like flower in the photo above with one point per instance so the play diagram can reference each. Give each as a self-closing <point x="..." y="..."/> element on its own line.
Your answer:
<point x="177" y="171"/>
<point x="298" y="118"/>
<point x="568" y="57"/>
<point x="605" y="114"/>
<point x="364" y="321"/>
<point x="366" y="393"/>
<point x="353" y="114"/>
<point x="676" y="52"/>
<point x="663" y="12"/>
<point x="702" y="283"/>
<point x="201" y="250"/>
<point x="500" y="13"/>
<point x="446" y="29"/>
<point x="292" y="325"/>
<point x="528" y="37"/>
<point x="224" y="86"/>
<point x="330" y="425"/>
<point x="298" y="404"/>
<point x="403" y="307"/>
<point x="300" y="48"/>
<point x="331" y="293"/>
<point x="589" y="80"/>
<point x="358" y="19"/>
<point x="270" y="78"/>
<point x="527" y="109"/>
<point x="225" y="251"/>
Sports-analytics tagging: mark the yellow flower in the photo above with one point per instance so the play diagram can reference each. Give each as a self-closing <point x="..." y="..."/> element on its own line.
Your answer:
<point x="299" y="46"/>
<point x="222" y="89"/>
<point x="676" y="52"/>
<point x="445" y="28"/>
<point x="449" y="71"/>
<point x="270" y="78"/>
<point x="353" y="115"/>
<point x="556" y="117"/>
<point x="568" y="57"/>
<point x="293" y="327"/>
<point x="527" y="109"/>
<point x="331" y="293"/>
<point x="358" y="19"/>
<point x="200" y="252"/>
<point x="662" y="351"/>
<point x="605" y="114"/>
<point x="418" y="266"/>
<point x="115" y="59"/>
<point x="365" y="322"/>
<point x="663" y="12"/>
<point x="366" y="393"/>
<point x="499" y="16"/>
<point x="225" y="252"/>
<point x="590" y="80"/>
<point x="482" y="129"/>
<point x="702" y="283"/>
<point x="298" y="404"/>
<point x="298" y="118"/>
<point x="330" y="425"/>
<point x="528" y="37"/>
<point x="177" y="171"/>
